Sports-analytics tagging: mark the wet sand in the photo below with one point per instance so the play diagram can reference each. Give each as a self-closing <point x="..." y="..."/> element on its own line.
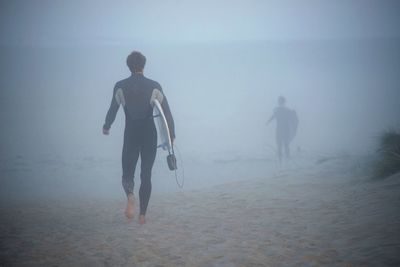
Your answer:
<point x="325" y="214"/>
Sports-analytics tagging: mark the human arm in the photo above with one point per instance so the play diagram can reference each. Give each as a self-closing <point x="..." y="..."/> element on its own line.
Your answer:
<point x="270" y="119"/>
<point x="111" y="114"/>
<point x="169" y="118"/>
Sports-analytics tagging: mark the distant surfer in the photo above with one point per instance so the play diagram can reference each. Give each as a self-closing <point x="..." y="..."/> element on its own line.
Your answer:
<point x="136" y="94"/>
<point x="286" y="126"/>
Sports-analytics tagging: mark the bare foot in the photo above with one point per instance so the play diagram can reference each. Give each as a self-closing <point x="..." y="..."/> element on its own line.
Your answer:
<point x="130" y="207"/>
<point x="142" y="219"/>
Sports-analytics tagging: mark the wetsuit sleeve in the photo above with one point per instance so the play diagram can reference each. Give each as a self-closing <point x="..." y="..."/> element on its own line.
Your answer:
<point x="272" y="117"/>
<point x="112" y="111"/>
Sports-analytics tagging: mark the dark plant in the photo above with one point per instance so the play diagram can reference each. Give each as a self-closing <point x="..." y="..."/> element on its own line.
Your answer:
<point x="389" y="154"/>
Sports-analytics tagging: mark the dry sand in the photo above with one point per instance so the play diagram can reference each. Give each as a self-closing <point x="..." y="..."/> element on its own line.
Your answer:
<point x="324" y="214"/>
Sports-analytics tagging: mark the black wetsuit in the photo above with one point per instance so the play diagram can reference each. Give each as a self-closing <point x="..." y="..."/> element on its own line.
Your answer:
<point x="140" y="136"/>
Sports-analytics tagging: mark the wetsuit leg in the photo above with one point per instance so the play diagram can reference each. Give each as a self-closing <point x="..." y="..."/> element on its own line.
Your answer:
<point x="286" y="143"/>
<point x="279" y="144"/>
<point x="147" y="155"/>
<point x="130" y="155"/>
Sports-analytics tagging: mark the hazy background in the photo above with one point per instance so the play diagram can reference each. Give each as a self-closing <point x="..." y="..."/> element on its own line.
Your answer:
<point x="222" y="65"/>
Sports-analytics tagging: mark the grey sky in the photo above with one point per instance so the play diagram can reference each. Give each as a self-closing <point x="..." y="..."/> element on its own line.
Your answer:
<point x="118" y="22"/>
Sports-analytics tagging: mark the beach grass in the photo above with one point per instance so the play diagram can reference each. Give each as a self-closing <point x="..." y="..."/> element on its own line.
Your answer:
<point x="389" y="154"/>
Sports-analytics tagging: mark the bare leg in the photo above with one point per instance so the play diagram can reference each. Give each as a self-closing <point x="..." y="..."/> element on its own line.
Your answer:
<point x="142" y="219"/>
<point x="130" y="207"/>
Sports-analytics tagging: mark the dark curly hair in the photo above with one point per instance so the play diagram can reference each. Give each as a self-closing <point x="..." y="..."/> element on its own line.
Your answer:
<point x="136" y="61"/>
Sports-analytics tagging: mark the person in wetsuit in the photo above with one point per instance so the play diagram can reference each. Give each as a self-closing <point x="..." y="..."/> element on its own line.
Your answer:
<point x="136" y="94"/>
<point x="286" y="125"/>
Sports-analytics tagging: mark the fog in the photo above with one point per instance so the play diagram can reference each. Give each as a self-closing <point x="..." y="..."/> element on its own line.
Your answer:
<point x="221" y="65"/>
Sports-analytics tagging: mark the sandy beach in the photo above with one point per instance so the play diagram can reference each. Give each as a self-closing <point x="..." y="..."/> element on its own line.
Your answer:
<point x="321" y="214"/>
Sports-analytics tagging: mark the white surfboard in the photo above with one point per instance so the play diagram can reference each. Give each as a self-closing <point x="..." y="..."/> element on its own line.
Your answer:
<point x="164" y="138"/>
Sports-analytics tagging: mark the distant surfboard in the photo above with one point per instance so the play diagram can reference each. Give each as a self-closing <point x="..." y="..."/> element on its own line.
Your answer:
<point x="164" y="138"/>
